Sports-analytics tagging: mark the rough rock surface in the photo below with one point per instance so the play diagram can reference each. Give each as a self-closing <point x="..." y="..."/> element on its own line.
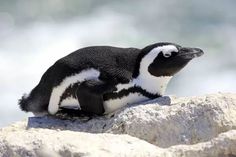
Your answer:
<point x="193" y="126"/>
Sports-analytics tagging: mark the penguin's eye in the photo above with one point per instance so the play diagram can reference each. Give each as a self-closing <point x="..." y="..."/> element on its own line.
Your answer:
<point x="166" y="55"/>
<point x="169" y="54"/>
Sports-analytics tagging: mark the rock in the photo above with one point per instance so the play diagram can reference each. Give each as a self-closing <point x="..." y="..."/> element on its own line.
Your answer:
<point x="18" y="141"/>
<point x="224" y="145"/>
<point x="186" y="127"/>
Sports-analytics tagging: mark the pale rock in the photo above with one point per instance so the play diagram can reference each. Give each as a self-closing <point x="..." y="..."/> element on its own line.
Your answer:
<point x="16" y="141"/>
<point x="186" y="127"/>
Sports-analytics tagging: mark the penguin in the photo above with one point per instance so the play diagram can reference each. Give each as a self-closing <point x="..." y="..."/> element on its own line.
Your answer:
<point x="99" y="80"/>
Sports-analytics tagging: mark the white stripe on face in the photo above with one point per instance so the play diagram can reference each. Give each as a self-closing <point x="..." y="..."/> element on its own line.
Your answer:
<point x="149" y="82"/>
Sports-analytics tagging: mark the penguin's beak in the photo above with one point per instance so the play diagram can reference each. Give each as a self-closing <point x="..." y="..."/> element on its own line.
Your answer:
<point x="190" y="53"/>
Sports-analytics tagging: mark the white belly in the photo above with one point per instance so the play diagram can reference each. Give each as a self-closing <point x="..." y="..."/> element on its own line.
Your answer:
<point x="114" y="104"/>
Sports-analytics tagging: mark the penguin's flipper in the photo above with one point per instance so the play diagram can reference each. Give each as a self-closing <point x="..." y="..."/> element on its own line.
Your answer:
<point x="90" y="95"/>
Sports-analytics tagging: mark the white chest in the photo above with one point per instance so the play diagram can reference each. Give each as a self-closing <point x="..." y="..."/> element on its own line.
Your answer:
<point x="153" y="85"/>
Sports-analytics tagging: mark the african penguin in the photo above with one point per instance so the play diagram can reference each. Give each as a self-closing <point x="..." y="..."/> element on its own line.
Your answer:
<point x="101" y="79"/>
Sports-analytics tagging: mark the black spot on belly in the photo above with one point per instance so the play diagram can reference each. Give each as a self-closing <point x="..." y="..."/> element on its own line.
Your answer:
<point x="69" y="92"/>
<point x="126" y="92"/>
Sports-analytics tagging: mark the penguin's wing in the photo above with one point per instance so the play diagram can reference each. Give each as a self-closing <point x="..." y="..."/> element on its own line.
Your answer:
<point x="116" y="75"/>
<point x="90" y="95"/>
<point x="123" y="76"/>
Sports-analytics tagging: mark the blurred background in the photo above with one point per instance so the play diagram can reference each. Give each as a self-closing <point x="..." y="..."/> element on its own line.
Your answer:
<point x="34" y="34"/>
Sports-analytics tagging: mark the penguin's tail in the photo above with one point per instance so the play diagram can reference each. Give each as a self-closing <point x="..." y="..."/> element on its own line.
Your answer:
<point x="38" y="99"/>
<point x="24" y="103"/>
<point x="29" y="103"/>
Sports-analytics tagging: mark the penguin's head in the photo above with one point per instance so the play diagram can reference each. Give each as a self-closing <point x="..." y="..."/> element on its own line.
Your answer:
<point x="166" y="59"/>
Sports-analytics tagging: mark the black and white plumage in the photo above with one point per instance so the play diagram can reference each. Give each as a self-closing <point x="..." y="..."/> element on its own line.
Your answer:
<point x="102" y="79"/>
